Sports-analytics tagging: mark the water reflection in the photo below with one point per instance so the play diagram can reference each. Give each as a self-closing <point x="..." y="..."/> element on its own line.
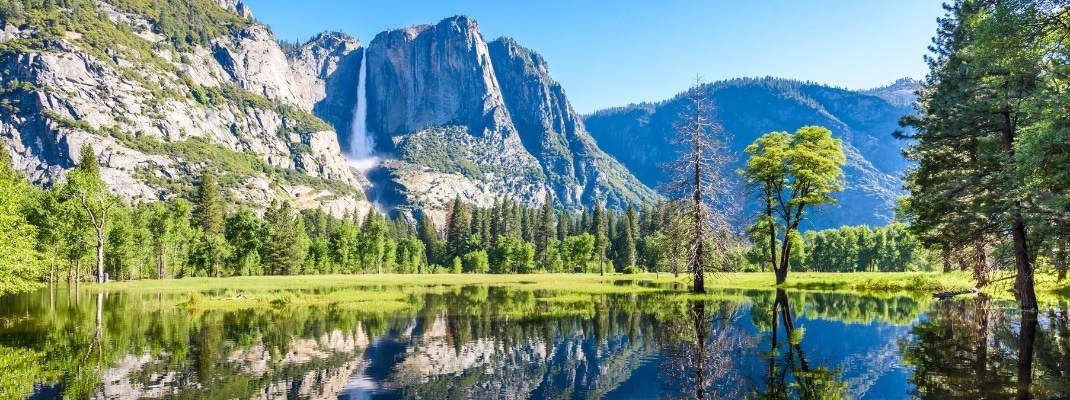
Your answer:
<point x="789" y="373"/>
<point x="977" y="348"/>
<point x="705" y="343"/>
<point x="485" y="342"/>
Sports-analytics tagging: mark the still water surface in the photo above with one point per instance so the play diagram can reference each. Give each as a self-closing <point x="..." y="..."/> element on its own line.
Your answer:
<point x="487" y="342"/>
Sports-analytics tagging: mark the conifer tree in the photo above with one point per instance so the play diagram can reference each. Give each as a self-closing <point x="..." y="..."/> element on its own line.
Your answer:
<point x="545" y="233"/>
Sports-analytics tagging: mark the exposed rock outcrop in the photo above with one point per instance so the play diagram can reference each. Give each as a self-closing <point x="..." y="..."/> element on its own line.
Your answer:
<point x="237" y="106"/>
<point x="490" y="110"/>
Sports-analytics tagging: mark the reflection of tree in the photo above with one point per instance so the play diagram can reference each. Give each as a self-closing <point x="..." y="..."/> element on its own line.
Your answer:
<point x="969" y="349"/>
<point x="787" y="360"/>
<point x="1026" y="339"/>
<point x="705" y="350"/>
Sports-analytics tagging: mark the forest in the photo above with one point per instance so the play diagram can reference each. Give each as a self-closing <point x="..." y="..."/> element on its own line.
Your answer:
<point x="61" y="233"/>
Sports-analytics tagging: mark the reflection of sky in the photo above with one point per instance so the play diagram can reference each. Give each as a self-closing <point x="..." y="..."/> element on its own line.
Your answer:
<point x="868" y="354"/>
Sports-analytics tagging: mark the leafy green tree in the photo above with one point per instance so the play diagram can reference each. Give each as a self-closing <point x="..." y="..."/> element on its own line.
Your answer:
<point x="20" y="263"/>
<point x="60" y="233"/>
<point x="410" y="255"/>
<point x="210" y="254"/>
<point x="792" y="173"/>
<point x="476" y="262"/>
<point x="375" y="244"/>
<point x="577" y="252"/>
<point x="85" y="186"/>
<point x="513" y="255"/>
<point x="344" y="247"/>
<point x="248" y="234"/>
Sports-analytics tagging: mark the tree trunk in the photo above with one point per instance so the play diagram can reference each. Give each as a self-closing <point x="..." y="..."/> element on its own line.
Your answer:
<point x="159" y="265"/>
<point x="1023" y="263"/>
<point x="1026" y="337"/>
<point x="946" y="254"/>
<point x="980" y="264"/>
<point x="772" y="240"/>
<point x="700" y="279"/>
<point x="1060" y="261"/>
<point x="1023" y="283"/>
<point x="785" y="254"/>
<point x="100" y="255"/>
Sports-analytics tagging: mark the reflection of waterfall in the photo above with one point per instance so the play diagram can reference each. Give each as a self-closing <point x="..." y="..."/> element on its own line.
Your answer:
<point x="361" y="144"/>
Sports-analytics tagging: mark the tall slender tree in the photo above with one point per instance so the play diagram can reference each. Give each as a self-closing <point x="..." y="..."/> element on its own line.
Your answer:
<point x="599" y="228"/>
<point x="699" y="179"/>
<point x="85" y="186"/>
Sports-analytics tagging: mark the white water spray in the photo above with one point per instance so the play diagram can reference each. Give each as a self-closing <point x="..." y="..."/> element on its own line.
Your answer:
<point x="361" y="144"/>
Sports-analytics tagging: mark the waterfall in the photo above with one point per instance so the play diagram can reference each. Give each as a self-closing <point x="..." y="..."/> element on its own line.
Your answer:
<point x="361" y="144"/>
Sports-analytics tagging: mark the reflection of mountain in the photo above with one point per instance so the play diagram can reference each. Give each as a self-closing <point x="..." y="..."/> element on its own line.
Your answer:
<point x="479" y="342"/>
<point x="556" y="362"/>
<point x="318" y="367"/>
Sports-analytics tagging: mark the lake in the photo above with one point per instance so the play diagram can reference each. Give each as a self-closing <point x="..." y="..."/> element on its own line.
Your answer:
<point x="495" y="342"/>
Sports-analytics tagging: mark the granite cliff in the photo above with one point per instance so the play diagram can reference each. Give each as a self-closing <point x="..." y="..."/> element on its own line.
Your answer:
<point x="458" y="115"/>
<point x="161" y="102"/>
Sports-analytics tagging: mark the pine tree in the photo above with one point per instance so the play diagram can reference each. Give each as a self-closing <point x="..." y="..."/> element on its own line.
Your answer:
<point x="284" y="253"/>
<point x="425" y="229"/>
<point x="598" y="231"/>
<point x="459" y="228"/>
<point x="545" y="233"/>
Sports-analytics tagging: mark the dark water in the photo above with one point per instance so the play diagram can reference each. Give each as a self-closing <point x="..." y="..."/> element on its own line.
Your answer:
<point x="479" y="342"/>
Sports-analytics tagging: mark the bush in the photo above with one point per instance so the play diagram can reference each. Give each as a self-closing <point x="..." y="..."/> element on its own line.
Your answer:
<point x="476" y="262"/>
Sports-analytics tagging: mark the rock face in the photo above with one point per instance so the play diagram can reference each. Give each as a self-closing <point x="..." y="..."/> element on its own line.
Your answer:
<point x="748" y="108"/>
<point x="441" y="92"/>
<point x="236" y="105"/>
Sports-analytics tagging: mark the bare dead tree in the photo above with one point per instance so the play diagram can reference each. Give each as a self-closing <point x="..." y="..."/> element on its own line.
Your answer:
<point x="701" y="181"/>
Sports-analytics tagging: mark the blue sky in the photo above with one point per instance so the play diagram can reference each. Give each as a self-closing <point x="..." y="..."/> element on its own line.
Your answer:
<point x="612" y="53"/>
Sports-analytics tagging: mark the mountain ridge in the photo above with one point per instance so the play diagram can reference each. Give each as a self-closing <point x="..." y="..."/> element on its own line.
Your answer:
<point x="749" y="107"/>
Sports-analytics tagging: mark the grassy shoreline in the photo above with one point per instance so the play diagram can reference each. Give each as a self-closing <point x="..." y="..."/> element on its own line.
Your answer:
<point x="393" y="291"/>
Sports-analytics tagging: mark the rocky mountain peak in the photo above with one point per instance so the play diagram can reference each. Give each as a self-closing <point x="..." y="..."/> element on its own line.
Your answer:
<point x="901" y="92"/>
<point x="432" y="75"/>
<point x="442" y="92"/>
<point x="237" y="7"/>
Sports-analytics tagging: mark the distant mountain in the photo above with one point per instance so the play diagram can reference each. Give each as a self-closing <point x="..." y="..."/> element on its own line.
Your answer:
<point x="639" y="135"/>
<point x="902" y="92"/>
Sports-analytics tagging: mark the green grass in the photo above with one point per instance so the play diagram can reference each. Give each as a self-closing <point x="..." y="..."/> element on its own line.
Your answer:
<point x="573" y="291"/>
